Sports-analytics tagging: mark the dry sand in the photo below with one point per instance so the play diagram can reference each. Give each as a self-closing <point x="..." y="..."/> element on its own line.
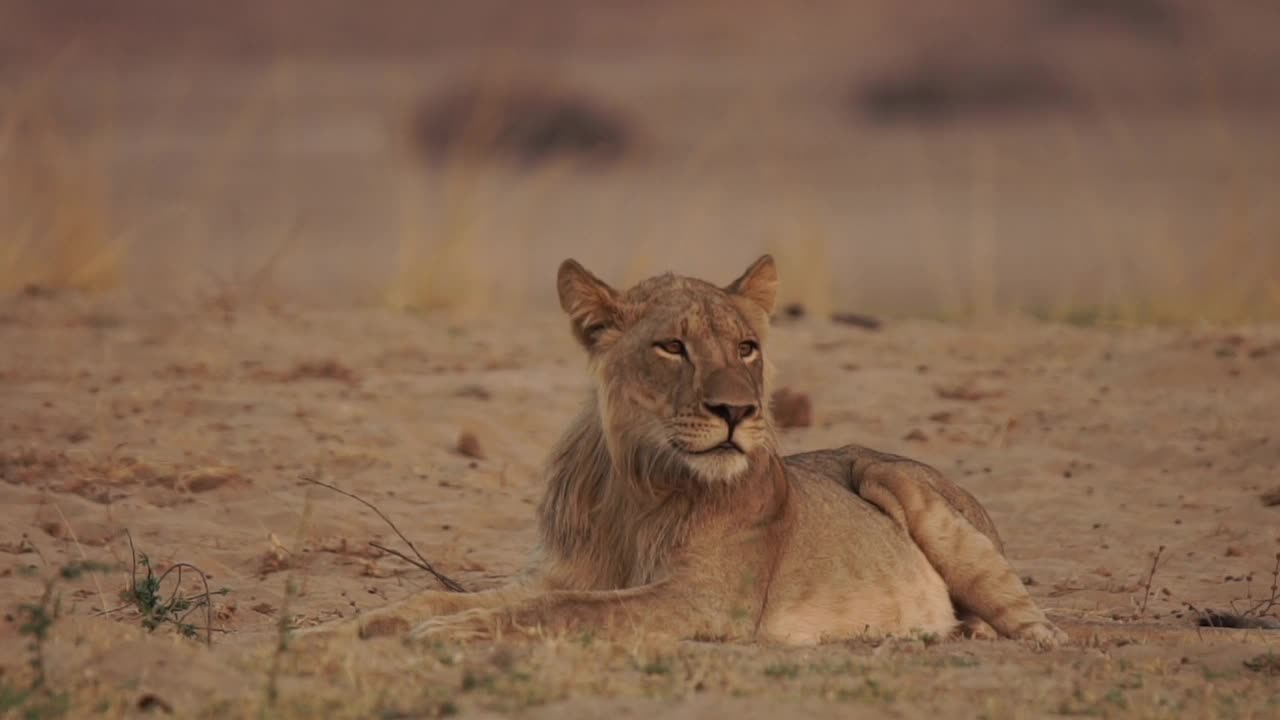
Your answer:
<point x="256" y="153"/>
<point x="193" y="429"/>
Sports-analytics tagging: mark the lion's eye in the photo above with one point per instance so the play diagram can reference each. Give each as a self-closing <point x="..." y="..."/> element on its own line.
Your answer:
<point x="747" y="348"/>
<point x="671" y="347"/>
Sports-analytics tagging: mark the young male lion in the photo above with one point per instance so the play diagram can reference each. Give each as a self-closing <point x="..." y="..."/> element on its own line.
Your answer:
<point x="669" y="509"/>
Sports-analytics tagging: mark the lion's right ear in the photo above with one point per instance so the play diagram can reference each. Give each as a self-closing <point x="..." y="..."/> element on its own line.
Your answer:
<point x="593" y="307"/>
<point x="759" y="284"/>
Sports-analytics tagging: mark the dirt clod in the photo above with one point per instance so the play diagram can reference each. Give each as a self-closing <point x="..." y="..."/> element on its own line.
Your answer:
<point x="1271" y="498"/>
<point x="469" y="445"/>
<point x="966" y="392"/>
<point x="151" y="702"/>
<point x="323" y="370"/>
<point x="792" y="409"/>
<point x="475" y="392"/>
<point x="210" y="478"/>
<point x="866" y="322"/>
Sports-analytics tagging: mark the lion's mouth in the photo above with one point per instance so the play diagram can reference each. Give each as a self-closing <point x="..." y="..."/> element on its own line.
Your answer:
<point x="728" y="446"/>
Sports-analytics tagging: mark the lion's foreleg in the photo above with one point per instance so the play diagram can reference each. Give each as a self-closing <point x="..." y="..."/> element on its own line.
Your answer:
<point x="648" y="611"/>
<point x="397" y="618"/>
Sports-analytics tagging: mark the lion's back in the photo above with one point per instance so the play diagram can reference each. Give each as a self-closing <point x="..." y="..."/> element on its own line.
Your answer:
<point x="836" y="465"/>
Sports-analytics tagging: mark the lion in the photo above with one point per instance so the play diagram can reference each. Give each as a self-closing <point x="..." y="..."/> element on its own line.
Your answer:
<point x="669" y="509"/>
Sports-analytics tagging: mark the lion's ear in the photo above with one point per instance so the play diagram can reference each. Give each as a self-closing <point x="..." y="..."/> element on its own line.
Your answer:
<point x="759" y="283"/>
<point x="592" y="306"/>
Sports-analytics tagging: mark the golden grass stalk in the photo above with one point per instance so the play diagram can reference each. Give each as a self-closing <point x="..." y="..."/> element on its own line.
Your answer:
<point x="58" y="231"/>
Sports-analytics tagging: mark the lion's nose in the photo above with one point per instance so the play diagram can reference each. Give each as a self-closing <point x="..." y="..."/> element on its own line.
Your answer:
<point x="732" y="414"/>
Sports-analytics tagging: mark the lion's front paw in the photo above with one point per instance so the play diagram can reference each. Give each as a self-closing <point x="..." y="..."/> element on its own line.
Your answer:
<point x="326" y="632"/>
<point x="1043" y="634"/>
<point x="477" y="624"/>
<point x="369" y="625"/>
<point x="384" y="624"/>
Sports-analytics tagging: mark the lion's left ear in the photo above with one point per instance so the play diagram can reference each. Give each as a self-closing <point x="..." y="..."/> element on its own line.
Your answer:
<point x="759" y="284"/>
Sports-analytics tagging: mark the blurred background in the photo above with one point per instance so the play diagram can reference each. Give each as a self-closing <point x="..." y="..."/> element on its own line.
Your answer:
<point x="1088" y="161"/>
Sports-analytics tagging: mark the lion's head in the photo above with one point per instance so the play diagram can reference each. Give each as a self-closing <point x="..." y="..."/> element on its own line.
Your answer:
<point x="680" y="369"/>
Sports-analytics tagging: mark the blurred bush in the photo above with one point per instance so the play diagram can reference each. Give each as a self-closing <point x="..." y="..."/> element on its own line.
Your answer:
<point x="520" y="122"/>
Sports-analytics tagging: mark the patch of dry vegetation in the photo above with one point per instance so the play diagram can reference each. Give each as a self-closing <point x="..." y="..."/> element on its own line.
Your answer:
<point x="59" y="231"/>
<point x="490" y="140"/>
<point x="1121" y="676"/>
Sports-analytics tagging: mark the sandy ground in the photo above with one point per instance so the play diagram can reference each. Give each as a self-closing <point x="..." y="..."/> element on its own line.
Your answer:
<point x="250" y="164"/>
<point x="193" y="430"/>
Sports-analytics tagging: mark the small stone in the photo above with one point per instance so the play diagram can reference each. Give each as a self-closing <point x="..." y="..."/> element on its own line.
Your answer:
<point x="210" y="478"/>
<point x="866" y="322"/>
<point x="792" y="409"/>
<point x="475" y="392"/>
<point x="916" y="435"/>
<point x="1271" y="498"/>
<point x="150" y="702"/>
<point x="469" y="445"/>
<point x="795" y="311"/>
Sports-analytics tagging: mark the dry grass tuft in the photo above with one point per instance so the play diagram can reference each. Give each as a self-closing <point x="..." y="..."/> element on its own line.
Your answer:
<point x="801" y="253"/>
<point x="59" y="233"/>
<point x="436" y="268"/>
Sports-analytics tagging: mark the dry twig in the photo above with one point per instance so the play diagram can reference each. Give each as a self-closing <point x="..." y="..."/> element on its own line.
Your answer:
<point x="1146" y="594"/>
<point x="449" y="583"/>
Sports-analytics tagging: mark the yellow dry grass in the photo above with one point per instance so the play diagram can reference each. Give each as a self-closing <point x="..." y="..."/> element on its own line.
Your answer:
<point x="59" y="231"/>
<point x="1146" y="271"/>
<point x="1127" y="673"/>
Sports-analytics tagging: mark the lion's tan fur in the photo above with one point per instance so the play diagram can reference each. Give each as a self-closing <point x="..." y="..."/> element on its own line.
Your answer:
<point x="606" y="527"/>
<point x="648" y="525"/>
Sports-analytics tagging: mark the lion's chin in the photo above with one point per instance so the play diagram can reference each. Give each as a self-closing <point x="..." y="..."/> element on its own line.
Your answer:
<point x="719" y="466"/>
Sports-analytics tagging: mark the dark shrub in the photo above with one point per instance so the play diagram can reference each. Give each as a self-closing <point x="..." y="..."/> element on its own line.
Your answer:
<point x="941" y="92"/>
<point x="524" y="125"/>
<point x="1151" y="18"/>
